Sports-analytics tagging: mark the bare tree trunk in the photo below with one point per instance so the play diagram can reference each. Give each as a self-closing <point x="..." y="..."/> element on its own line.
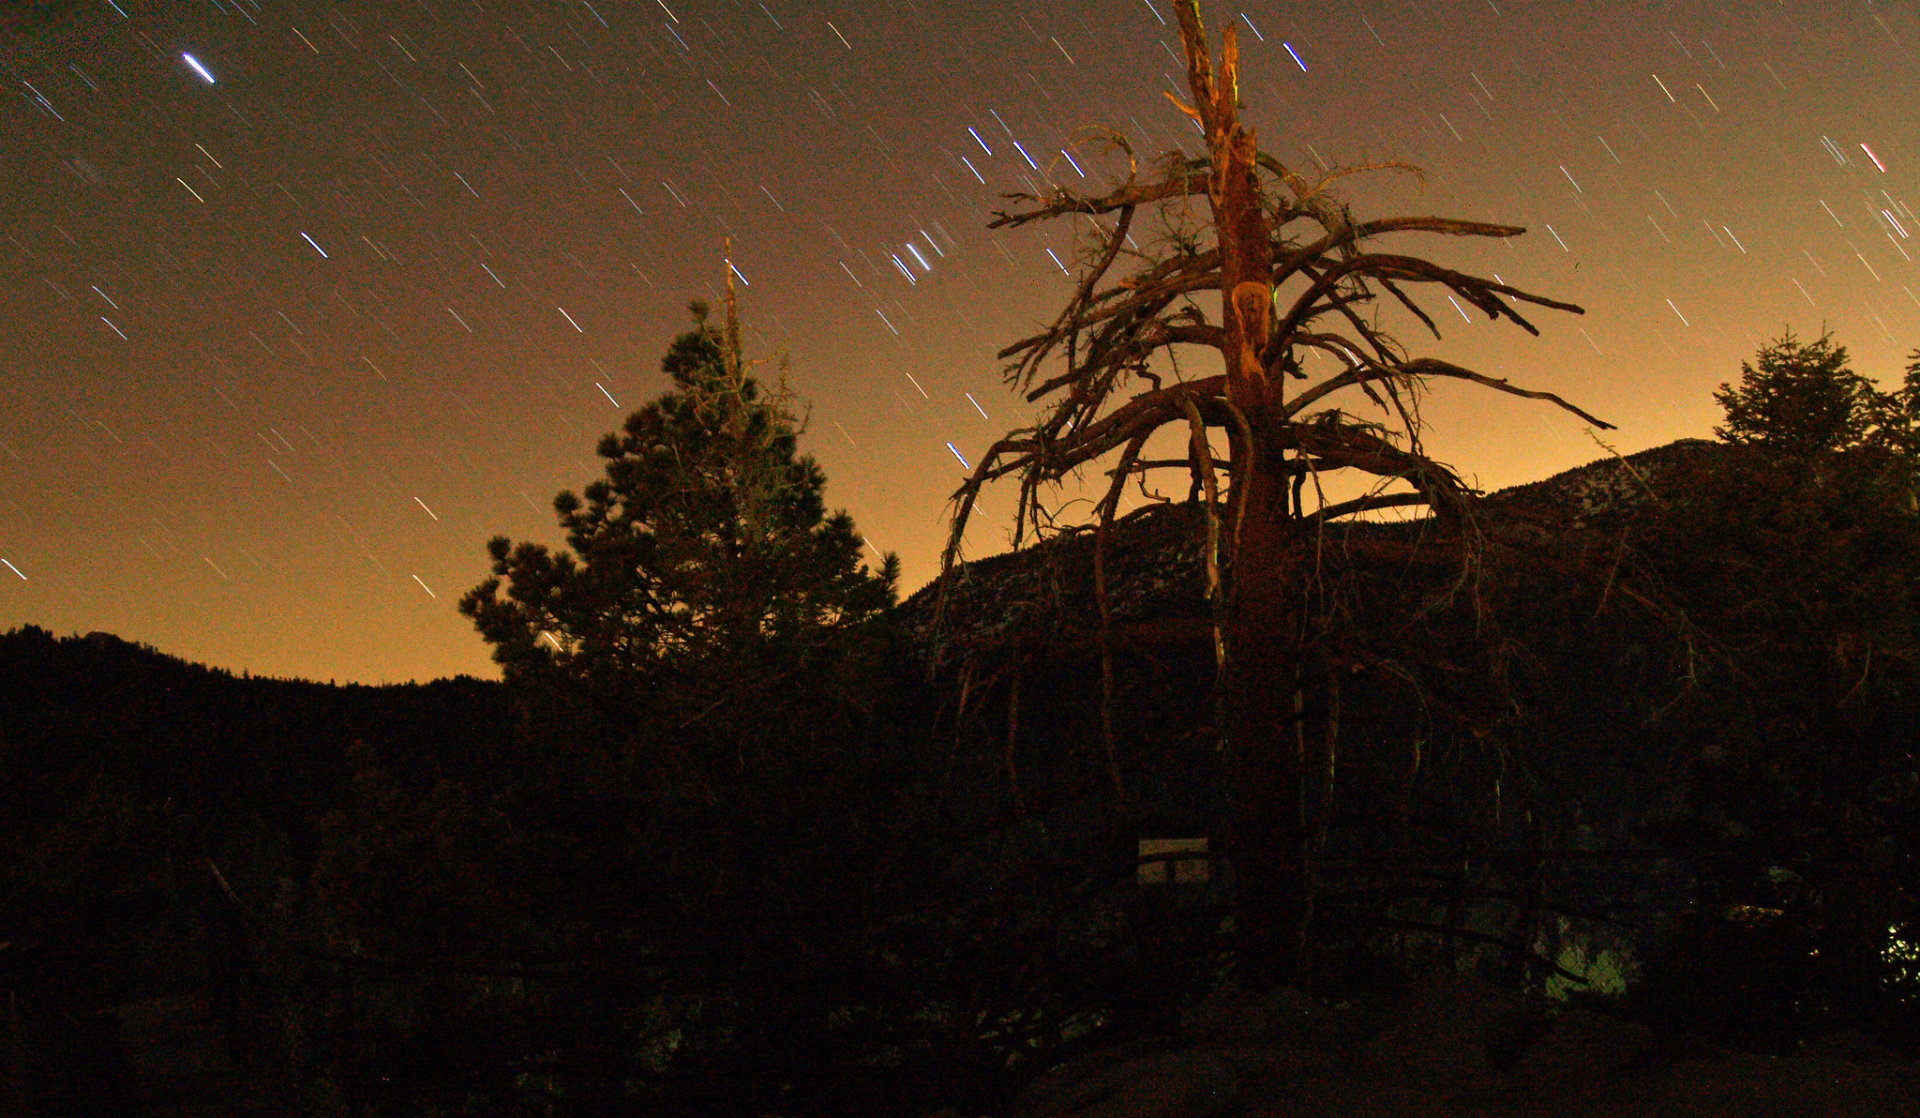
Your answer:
<point x="1265" y="644"/>
<point x="1264" y="770"/>
<point x="1264" y="773"/>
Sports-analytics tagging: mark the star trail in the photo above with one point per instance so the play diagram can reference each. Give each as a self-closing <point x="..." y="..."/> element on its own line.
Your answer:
<point x="305" y="301"/>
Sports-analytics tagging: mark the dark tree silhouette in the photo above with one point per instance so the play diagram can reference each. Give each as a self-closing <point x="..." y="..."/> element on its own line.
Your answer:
<point x="1896" y="428"/>
<point x="1801" y="398"/>
<point x="1297" y="276"/>
<point x="1793" y="551"/>
<point x="699" y="678"/>
<point x="705" y="574"/>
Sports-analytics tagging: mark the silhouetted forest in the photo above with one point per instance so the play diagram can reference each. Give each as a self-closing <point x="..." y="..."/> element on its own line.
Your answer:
<point x="1275" y="770"/>
<point x="1679" y="780"/>
<point x="1396" y="797"/>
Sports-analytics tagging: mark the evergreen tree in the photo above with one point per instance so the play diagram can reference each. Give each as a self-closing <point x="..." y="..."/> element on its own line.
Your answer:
<point x="701" y="675"/>
<point x="1897" y="420"/>
<point x="704" y="575"/>
<point x="1799" y="399"/>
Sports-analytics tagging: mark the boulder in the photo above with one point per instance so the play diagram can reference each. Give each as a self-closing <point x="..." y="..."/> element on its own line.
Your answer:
<point x="1269" y="1072"/>
<point x="1079" y="1082"/>
<point x="173" y="1037"/>
<point x="1232" y="1017"/>
<point x="1582" y="1046"/>
<point x="1164" y="1085"/>
<point x="1439" y="1034"/>
<point x="1851" y="1045"/>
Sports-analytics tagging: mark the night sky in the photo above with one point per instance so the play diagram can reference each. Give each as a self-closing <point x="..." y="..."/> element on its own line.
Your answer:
<point x="305" y="301"/>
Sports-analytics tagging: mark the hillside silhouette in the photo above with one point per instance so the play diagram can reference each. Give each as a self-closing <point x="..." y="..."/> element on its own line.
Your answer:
<point x="182" y="841"/>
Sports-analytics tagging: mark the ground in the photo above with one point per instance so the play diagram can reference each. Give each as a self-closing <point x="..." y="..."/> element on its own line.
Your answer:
<point x="1457" y="1047"/>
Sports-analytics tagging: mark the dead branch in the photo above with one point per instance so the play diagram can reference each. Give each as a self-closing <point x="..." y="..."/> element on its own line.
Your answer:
<point x="1185" y="179"/>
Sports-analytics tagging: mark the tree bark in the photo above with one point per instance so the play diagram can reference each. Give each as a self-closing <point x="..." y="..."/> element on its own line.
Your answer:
<point x="1265" y="767"/>
<point x="1264" y="770"/>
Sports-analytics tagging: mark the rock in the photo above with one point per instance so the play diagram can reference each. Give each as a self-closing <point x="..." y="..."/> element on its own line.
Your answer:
<point x="1166" y="1085"/>
<point x="1231" y="1016"/>
<point x="1439" y="1034"/>
<point x="1293" y="1019"/>
<point x="1076" y="1083"/>
<point x="1852" y="1045"/>
<point x="1218" y="1017"/>
<point x="1274" y="1072"/>
<point x="1582" y="1045"/>
<point x="173" y="1037"/>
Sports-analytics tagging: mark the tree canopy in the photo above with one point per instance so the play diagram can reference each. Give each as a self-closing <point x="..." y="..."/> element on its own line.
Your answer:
<point x="705" y="554"/>
<point x="1897" y="417"/>
<point x="700" y="677"/>
<point x="1799" y="398"/>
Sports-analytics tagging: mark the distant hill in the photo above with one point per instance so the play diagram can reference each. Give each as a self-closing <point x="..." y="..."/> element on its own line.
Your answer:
<point x="74" y="708"/>
<point x="1648" y="722"/>
<point x="81" y="704"/>
<point x="1153" y="567"/>
<point x="1154" y="560"/>
<point x="1612" y="484"/>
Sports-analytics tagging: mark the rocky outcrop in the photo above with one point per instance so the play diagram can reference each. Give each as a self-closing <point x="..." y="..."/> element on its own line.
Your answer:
<point x="1453" y="1047"/>
<point x="1180" y="1084"/>
<point x="1582" y="1047"/>
<point x="1155" y="558"/>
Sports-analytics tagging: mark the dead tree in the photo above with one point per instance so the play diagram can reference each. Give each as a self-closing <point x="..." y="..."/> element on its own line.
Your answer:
<point x="1296" y="274"/>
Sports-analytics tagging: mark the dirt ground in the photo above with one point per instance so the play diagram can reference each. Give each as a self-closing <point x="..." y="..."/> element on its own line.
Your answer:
<point x="1460" y="1048"/>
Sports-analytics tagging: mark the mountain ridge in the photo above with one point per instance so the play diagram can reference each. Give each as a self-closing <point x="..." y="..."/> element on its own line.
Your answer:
<point x="1584" y="492"/>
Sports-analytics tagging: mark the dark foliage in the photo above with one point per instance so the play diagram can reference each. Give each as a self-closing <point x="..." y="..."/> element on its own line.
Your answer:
<point x="129" y="779"/>
<point x="1798" y="398"/>
<point x="1803" y="732"/>
<point x="442" y="942"/>
<point x="705" y="780"/>
<point x="1658" y="733"/>
<point x="704" y="557"/>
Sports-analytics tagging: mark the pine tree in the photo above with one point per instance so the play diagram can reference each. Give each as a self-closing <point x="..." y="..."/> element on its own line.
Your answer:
<point x="704" y="579"/>
<point x="1799" y="399"/>
<point x="1896" y="423"/>
<point x="701" y="676"/>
